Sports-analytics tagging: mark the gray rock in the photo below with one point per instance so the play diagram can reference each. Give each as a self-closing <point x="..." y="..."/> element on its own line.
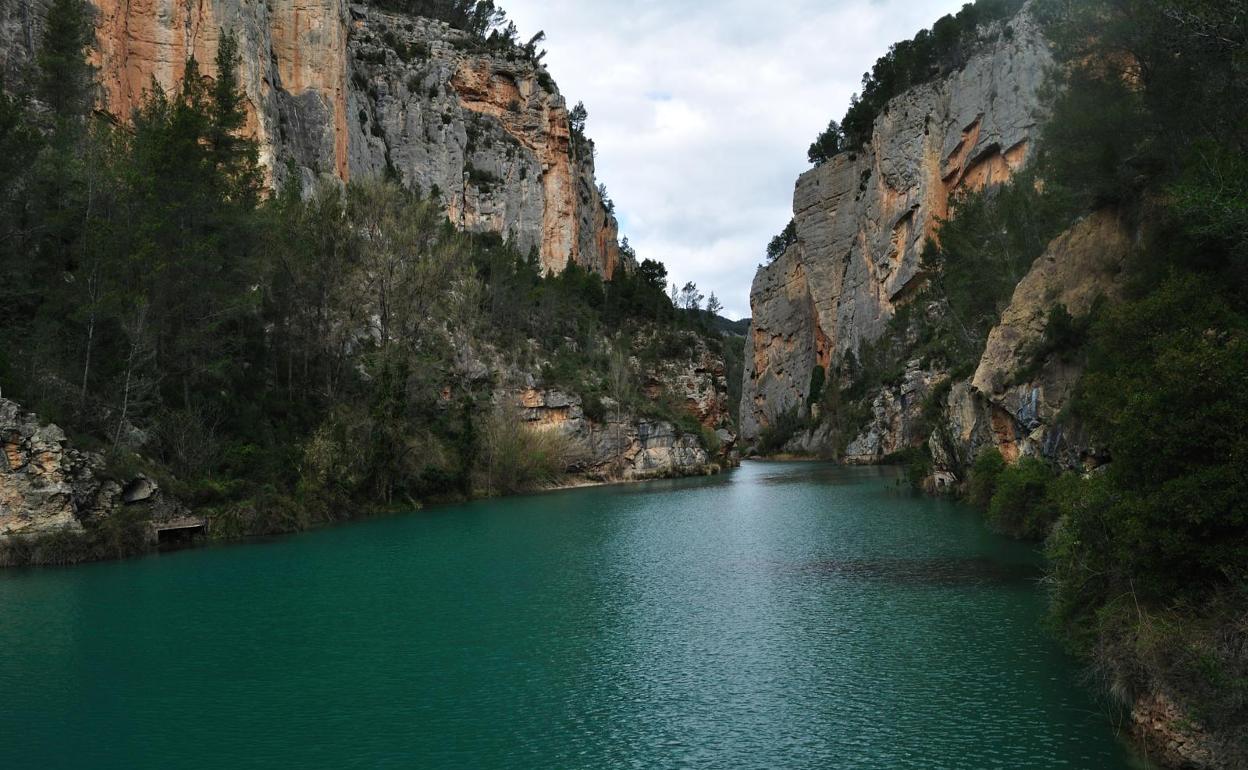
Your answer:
<point x="349" y="91"/>
<point x="863" y="218"/>
<point x="140" y="490"/>
<point x="47" y="486"/>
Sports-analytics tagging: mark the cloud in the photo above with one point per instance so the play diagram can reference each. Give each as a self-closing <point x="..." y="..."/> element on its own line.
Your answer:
<point x="702" y="111"/>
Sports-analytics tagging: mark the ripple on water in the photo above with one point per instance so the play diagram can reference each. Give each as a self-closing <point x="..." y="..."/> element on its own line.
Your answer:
<point x="780" y="616"/>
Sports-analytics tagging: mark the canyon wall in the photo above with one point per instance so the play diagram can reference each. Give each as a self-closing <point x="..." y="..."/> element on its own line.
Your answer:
<point x="862" y="222"/>
<point x="863" y="217"/>
<point x="347" y="91"/>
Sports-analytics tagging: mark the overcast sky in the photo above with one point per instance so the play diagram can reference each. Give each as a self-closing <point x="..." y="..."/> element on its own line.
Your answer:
<point x="702" y="111"/>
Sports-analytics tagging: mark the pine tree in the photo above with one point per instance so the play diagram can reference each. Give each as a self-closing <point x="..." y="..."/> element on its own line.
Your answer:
<point x="65" y="82"/>
<point x="235" y="156"/>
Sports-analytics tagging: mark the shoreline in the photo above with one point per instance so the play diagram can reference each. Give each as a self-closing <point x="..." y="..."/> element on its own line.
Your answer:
<point x="81" y="540"/>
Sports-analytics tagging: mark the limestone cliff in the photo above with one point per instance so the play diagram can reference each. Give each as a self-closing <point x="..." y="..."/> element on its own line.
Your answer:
<point x="619" y="446"/>
<point x="863" y="218"/>
<point x="350" y="91"/>
<point x="1019" y="411"/>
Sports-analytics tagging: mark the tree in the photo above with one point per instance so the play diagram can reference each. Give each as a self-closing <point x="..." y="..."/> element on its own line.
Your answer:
<point x="690" y="297"/>
<point x="65" y="82"/>
<point x="782" y="242"/>
<point x="653" y="273"/>
<point x="713" y="306"/>
<point x="236" y="156"/>
<point x="530" y="48"/>
<point x="827" y="145"/>
<point x="577" y="118"/>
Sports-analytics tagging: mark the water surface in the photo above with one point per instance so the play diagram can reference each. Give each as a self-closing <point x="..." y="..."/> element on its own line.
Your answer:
<point x="780" y="616"/>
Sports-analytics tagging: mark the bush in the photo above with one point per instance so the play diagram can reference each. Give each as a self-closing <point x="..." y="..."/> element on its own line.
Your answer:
<point x="985" y="472"/>
<point x="517" y="457"/>
<point x="1020" y="505"/>
<point x="783" y="427"/>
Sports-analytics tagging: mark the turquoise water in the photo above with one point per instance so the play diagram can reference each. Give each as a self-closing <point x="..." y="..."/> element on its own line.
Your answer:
<point x="780" y="616"/>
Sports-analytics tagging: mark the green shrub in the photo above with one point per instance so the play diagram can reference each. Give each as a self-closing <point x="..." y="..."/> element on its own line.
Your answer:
<point x="985" y="472"/>
<point x="783" y="427"/>
<point x="1020" y="505"/>
<point x="517" y="457"/>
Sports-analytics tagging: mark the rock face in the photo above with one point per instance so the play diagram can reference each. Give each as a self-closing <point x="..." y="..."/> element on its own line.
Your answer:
<point x="44" y="485"/>
<point x="348" y="91"/>
<point x="862" y="221"/>
<point x="1014" y="401"/>
<point x="896" y="417"/>
<point x="698" y="381"/>
<point x="1018" y="408"/>
<point x="1172" y="737"/>
<point x="47" y="486"/>
<point x="618" y="444"/>
<point x="624" y="448"/>
<point x="863" y="218"/>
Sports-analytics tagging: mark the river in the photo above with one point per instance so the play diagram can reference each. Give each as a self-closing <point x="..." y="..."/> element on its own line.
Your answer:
<point x="779" y="616"/>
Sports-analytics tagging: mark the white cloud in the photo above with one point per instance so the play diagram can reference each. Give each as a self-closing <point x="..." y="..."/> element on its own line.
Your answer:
<point x="702" y="111"/>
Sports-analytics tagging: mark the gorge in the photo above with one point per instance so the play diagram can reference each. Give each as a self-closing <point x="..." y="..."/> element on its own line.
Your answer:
<point x="269" y="267"/>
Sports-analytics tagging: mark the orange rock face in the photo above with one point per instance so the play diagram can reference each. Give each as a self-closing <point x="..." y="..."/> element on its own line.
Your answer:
<point x="864" y="217"/>
<point x="540" y="123"/>
<point x="295" y="46"/>
<point x="309" y="41"/>
<point x="329" y="91"/>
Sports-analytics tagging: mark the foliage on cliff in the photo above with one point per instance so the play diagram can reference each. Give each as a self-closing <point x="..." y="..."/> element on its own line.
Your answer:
<point x="1148" y="554"/>
<point x="276" y="359"/>
<point x="929" y="55"/>
<point x="477" y="17"/>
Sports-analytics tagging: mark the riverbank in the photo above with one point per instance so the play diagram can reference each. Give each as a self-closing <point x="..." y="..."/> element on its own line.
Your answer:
<point x="131" y="533"/>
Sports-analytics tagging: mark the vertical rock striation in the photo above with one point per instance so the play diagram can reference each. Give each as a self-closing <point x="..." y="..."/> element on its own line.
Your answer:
<point x="863" y="218"/>
<point x="348" y="91"/>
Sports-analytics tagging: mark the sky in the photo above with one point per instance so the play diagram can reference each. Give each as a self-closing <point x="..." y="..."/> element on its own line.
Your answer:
<point x="702" y="111"/>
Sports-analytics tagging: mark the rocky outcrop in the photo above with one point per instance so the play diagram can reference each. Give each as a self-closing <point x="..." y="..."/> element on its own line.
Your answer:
<point x="44" y="485"/>
<point x="48" y="487"/>
<point x="620" y="446"/>
<point x="896" y="422"/>
<point x="617" y="443"/>
<point x="784" y="344"/>
<point x="698" y="380"/>
<point x="1015" y="399"/>
<point x="1171" y="736"/>
<point x="486" y="131"/>
<point x="863" y="218"/>
<point x="348" y="91"/>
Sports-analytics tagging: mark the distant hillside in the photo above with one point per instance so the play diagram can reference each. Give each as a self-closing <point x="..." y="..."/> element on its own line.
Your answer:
<point x="731" y="327"/>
